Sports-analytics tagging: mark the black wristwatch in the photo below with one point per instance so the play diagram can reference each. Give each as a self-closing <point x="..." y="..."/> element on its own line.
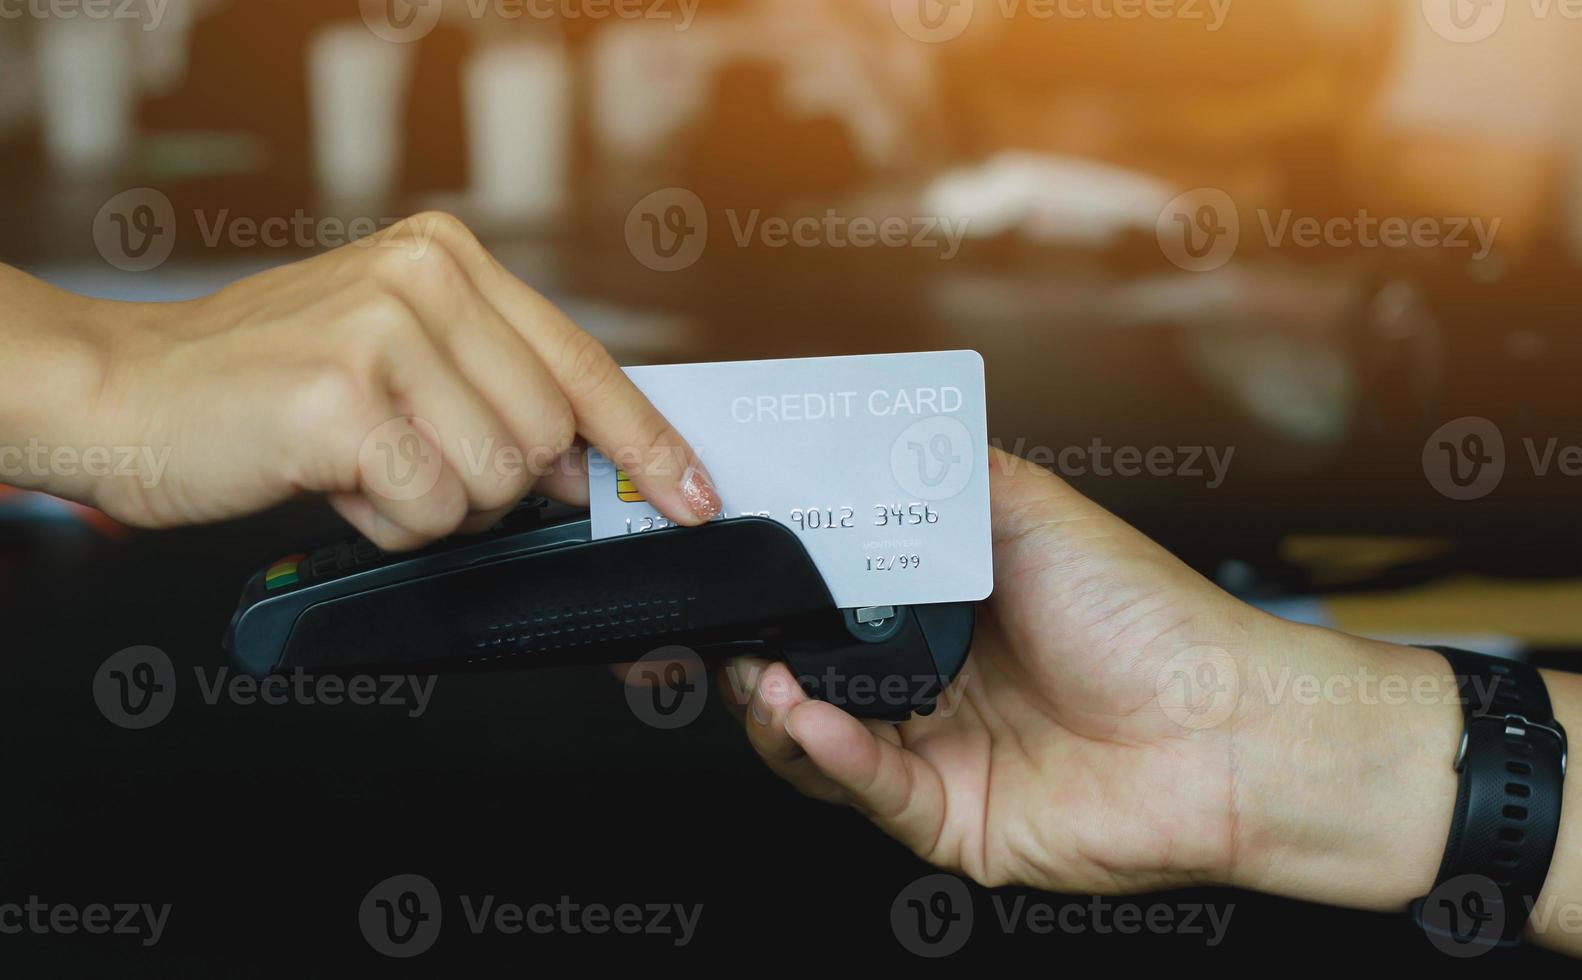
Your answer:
<point x="1512" y="762"/>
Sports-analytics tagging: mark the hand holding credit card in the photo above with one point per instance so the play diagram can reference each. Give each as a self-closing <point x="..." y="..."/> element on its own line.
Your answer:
<point x="878" y="462"/>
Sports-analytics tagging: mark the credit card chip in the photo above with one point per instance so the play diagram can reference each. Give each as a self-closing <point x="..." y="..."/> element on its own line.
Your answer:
<point x="626" y="489"/>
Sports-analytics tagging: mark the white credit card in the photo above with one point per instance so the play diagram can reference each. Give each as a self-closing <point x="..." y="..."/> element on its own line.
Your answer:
<point x="879" y="463"/>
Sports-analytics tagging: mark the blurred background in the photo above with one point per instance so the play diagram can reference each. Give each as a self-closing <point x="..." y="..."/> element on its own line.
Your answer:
<point x="1291" y="284"/>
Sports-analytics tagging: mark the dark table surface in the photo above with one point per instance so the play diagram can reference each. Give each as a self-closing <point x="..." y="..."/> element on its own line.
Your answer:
<point x="264" y="826"/>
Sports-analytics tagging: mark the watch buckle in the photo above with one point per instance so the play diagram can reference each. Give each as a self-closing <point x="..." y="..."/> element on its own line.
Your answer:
<point x="1518" y="726"/>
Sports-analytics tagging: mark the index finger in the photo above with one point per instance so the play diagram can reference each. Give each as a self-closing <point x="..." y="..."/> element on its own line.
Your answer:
<point x="612" y="414"/>
<point x="618" y="420"/>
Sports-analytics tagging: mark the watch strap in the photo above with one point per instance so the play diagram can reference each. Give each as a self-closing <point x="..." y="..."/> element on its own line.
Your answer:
<point x="1512" y="762"/>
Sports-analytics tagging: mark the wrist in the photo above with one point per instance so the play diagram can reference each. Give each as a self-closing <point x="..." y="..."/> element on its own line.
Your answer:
<point x="1343" y="752"/>
<point x="55" y="360"/>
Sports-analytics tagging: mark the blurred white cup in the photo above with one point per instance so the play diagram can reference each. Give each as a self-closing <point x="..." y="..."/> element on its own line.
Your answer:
<point x="87" y="91"/>
<point x="520" y="129"/>
<point x="357" y="87"/>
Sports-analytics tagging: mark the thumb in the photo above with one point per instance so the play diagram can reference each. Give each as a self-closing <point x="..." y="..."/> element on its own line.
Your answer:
<point x="896" y="788"/>
<point x="1025" y="497"/>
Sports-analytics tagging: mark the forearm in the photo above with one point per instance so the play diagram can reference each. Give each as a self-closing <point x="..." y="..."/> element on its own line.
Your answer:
<point x="1557" y="918"/>
<point x="1345" y="787"/>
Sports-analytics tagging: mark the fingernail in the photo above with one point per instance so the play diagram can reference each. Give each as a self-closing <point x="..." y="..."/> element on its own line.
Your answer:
<point x="699" y="493"/>
<point x="760" y="709"/>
